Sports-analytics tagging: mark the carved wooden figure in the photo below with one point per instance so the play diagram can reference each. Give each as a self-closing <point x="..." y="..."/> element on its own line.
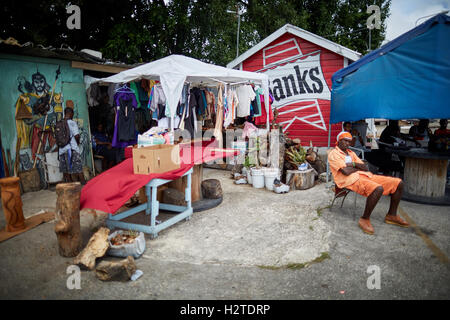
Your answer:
<point x="12" y="204"/>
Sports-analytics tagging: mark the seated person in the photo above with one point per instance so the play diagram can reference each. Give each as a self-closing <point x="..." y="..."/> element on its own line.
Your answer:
<point x="387" y="162"/>
<point x="391" y="134"/>
<point x="102" y="147"/>
<point x="351" y="173"/>
<point x="440" y="140"/>
<point x="421" y="132"/>
<point x="442" y="131"/>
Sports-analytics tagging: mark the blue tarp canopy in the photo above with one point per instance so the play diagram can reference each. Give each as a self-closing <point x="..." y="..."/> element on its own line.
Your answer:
<point x="407" y="78"/>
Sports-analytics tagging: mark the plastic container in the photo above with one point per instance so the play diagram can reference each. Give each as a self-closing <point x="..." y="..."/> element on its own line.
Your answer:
<point x="249" y="176"/>
<point x="135" y="249"/>
<point x="270" y="174"/>
<point x="257" y="178"/>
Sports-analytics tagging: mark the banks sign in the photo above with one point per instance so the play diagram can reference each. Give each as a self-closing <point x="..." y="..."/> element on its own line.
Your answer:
<point x="298" y="80"/>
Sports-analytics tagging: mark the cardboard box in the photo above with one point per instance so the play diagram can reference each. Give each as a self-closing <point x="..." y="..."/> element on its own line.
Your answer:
<point x="156" y="159"/>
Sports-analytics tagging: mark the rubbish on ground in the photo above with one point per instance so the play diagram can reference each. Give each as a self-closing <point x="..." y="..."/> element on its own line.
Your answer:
<point x="242" y="180"/>
<point x="136" y="275"/>
<point x="122" y="270"/>
<point x="96" y="248"/>
<point x="279" y="187"/>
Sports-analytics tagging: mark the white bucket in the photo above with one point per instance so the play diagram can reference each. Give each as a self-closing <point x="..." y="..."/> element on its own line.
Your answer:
<point x="51" y="158"/>
<point x="270" y="174"/>
<point x="257" y="178"/>
<point x="249" y="176"/>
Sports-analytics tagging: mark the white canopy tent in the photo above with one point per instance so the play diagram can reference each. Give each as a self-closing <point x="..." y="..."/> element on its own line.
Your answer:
<point x="174" y="70"/>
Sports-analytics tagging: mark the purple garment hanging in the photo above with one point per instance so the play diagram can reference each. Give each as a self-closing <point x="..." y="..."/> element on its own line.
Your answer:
<point x="117" y="97"/>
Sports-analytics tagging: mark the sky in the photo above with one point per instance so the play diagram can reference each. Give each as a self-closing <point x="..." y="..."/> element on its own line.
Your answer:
<point x="404" y="14"/>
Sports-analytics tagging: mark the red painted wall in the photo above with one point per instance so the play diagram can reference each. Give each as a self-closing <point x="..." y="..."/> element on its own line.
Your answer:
<point x="285" y="80"/>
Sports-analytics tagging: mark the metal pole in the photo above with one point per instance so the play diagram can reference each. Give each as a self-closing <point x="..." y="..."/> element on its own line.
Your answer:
<point x="329" y="141"/>
<point x="370" y="38"/>
<point x="239" y="25"/>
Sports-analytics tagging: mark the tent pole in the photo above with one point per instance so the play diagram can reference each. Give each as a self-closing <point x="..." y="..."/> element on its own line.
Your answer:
<point x="329" y="141"/>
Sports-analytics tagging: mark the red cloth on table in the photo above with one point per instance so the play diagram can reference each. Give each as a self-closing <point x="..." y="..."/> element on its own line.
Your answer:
<point x="109" y="191"/>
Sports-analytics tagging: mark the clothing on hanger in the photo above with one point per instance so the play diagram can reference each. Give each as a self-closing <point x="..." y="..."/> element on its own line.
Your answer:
<point x="124" y="124"/>
<point x="245" y="96"/>
<point x="263" y="118"/>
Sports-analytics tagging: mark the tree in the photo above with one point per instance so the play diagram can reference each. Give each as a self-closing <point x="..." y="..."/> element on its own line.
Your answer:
<point x="144" y="30"/>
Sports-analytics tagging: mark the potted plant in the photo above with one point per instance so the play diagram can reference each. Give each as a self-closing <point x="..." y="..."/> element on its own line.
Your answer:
<point x="296" y="156"/>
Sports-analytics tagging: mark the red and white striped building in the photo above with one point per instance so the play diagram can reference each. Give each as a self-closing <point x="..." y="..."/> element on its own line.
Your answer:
<point x="300" y="65"/>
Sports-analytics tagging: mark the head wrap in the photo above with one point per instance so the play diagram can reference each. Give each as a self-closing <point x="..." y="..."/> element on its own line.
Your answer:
<point x="344" y="135"/>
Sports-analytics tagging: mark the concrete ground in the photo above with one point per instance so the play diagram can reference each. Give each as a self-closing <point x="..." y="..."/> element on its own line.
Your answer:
<point x="255" y="245"/>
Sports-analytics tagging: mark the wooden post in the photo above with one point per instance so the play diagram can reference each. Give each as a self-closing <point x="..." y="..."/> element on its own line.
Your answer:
<point x="196" y="187"/>
<point x="67" y="216"/>
<point x="12" y="204"/>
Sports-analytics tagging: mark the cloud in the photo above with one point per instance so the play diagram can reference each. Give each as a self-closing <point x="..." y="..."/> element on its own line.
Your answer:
<point x="404" y="15"/>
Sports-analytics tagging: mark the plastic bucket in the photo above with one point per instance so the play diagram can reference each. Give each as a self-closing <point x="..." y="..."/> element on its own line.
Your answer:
<point x="53" y="167"/>
<point x="257" y="178"/>
<point x="249" y="176"/>
<point x="270" y="174"/>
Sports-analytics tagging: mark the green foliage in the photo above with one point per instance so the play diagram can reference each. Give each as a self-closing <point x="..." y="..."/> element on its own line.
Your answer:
<point x="144" y="30"/>
<point x="249" y="161"/>
<point x="296" y="156"/>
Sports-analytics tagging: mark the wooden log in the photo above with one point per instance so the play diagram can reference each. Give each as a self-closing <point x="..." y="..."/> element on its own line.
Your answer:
<point x="67" y="226"/>
<point x="174" y="196"/>
<point x="211" y="189"/>
<point x="196" y="184"/>
<point x="12" y="204"/>
<point x="300" y="180"/>
<point x="96" y="248"/>
<point x="159" y="194"/>
<point x="116" y="271"/>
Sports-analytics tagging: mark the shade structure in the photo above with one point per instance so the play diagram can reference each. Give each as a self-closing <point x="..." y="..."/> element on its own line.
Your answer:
<point x="407" y="78"/>
<point x="174" y="70"/>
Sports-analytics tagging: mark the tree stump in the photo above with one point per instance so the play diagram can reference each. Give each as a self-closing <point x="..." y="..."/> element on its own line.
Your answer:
<point x="67" y="226"/>
<point x="97" y="246"/>
<point x="211" y="189"/>
<point x="116" y="271"/>
<point x="12" y="204"/>
<point x="300" y="180"/>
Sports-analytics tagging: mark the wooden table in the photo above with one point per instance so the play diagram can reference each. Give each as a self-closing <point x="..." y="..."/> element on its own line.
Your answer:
<point x="425" y="175"/>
